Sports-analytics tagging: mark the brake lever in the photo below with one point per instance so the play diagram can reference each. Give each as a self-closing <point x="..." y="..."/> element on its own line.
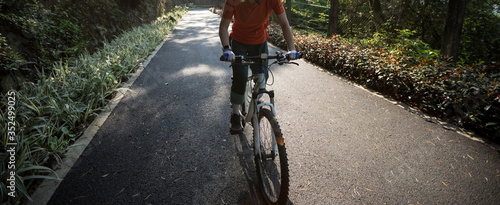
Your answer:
<point x="283" y="61"/>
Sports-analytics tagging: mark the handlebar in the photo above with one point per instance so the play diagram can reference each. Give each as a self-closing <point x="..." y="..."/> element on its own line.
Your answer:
<point x="280" y="57"/>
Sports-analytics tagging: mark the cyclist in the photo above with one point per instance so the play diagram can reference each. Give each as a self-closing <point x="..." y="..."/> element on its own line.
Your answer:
<point x="249" y="37"/>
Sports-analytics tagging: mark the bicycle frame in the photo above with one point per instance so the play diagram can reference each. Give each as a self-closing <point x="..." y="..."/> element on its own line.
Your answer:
<point x="265" y="155"/>
<point x="251" y="111"/>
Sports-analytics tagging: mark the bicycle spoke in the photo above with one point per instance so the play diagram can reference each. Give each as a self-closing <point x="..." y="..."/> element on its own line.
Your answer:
<point x="270" y="164"/>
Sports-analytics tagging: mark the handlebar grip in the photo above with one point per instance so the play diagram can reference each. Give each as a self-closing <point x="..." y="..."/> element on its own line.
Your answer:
<point x="301" y="54"/>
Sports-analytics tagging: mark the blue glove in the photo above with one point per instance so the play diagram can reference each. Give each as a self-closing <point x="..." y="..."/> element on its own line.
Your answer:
<point x="293" y="54"/>
<point x="228" y="54"/>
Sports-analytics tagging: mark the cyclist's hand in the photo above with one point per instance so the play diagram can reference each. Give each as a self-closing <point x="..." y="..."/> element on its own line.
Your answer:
<point x="293" y="54"/>
<point x="228" y="55"/>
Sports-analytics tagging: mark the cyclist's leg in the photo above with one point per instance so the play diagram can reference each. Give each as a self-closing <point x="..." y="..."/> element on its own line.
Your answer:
<point x="240" y="74"/>
<point x="239" y="80"/>
<point x="255" y="50"/>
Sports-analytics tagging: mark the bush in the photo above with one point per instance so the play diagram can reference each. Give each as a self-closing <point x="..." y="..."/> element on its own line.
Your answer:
<point x="36" y="34"/>
<point x="410" y="71"/>
<point x="9" y="59"/>
<point x="42" y="34"/>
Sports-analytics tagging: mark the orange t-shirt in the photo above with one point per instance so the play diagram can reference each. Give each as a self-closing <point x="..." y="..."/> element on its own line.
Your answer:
<point x="250" y="21"/>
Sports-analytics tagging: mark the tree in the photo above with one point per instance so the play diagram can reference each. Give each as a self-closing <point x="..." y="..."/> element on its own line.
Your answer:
<point x="289" y="9"/>
<point x="334" y="17"/>
<point x="376" y="10"/>
<point x="453" y="28"/>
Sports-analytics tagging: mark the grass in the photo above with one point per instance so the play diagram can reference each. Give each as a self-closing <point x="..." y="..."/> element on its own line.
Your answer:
<point x="52" y="113"/>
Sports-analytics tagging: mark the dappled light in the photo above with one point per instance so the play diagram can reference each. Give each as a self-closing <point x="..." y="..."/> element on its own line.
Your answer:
<point x="203" y="70"/>
<point x="373" y="121"/>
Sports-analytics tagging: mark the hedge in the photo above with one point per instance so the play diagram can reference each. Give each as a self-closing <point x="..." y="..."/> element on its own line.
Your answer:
<point x="408" y="70"/>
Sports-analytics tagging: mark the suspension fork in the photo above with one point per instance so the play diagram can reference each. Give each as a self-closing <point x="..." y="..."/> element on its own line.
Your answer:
<point x="256" y="110"/>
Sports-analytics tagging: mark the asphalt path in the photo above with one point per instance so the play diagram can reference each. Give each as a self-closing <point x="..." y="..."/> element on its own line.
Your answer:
<point x="168" y="141"/>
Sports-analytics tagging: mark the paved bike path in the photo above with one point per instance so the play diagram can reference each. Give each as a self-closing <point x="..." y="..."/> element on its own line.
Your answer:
<point x="167" y="141"/>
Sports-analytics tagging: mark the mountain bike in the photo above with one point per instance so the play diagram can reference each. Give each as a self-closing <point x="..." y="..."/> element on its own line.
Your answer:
<point x="268" y="142"/>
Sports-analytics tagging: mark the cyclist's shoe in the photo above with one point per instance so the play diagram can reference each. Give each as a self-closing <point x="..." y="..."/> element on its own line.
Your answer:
<point x="236" y="127"/>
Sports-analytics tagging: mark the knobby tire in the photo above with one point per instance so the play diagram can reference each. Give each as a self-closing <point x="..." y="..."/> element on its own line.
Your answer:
<point x="272" y="174"/>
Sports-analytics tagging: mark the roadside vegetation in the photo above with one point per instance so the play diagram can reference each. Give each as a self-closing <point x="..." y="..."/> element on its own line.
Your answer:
<point x="408" y="70"/>
<point x="54" y="108"/>
<point x="72" y="55"/>
<point x="396" y="48"/>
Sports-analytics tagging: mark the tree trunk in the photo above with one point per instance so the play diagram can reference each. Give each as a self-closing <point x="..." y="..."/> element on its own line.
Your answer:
<point x="403" y="5"/>
<point x="219" y="4"/>
<point x="452" y="29"/>
<point x="289" y="10"/>
<point x="334" y="17"/>
<point x="376" y="10"/>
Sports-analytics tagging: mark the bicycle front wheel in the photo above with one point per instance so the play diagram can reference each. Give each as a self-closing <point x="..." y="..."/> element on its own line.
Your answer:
<point x="272" y="163"/>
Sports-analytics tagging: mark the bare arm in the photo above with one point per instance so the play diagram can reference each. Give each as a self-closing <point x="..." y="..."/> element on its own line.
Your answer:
<point x="287" y="31"/>
<point x="223" y="31"/>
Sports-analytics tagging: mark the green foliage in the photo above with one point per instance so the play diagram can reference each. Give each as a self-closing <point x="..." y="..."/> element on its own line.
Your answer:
<point x="403" y="44"/>
<point x="100" y="20"/>
<point x="47" y="33"/>
<point x="36" y="34"/>
<point x="56" y="35"/>
<point x="480" y="39"/>
<point x="310" y="15"/>
<point x="52" y="112"/>
<point x="26" y="167"/>
<point x="409" y="70"/>
<point x="9" y="59"/>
